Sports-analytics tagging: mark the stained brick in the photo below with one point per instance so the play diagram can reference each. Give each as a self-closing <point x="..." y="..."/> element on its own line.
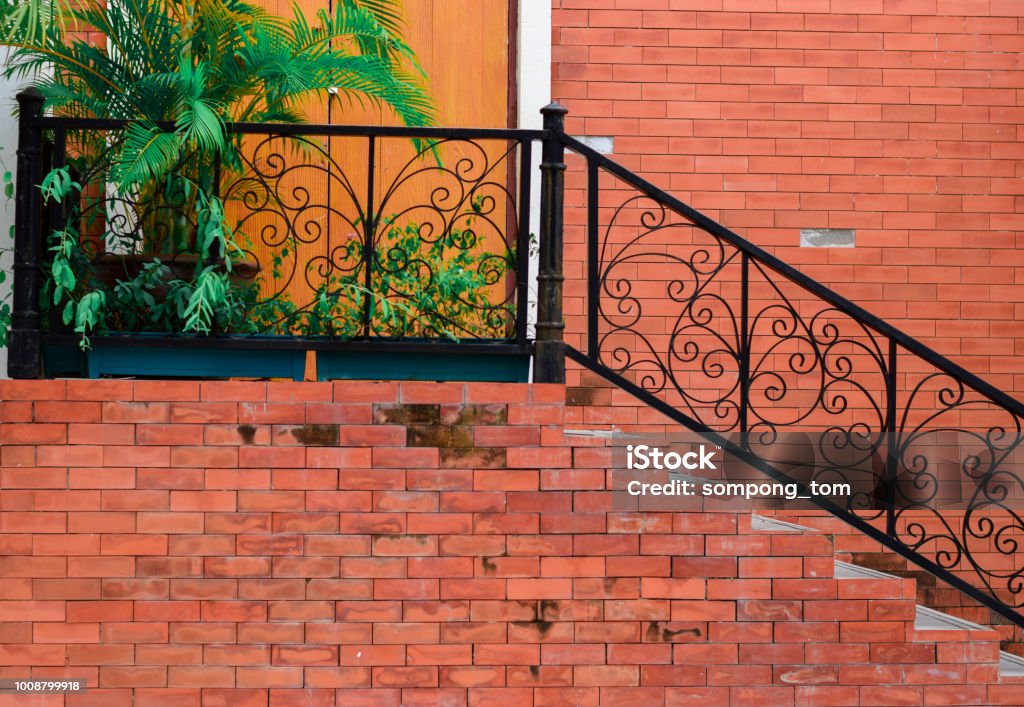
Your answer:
<point x="200" y="583"/>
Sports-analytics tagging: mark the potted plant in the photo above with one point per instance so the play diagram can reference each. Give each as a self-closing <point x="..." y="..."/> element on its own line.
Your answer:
<point x="144" y="243"/>
<point x="428" y="287"/>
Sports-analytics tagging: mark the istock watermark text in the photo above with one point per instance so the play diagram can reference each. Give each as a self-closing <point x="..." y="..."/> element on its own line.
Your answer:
<point x="642" y="456"/>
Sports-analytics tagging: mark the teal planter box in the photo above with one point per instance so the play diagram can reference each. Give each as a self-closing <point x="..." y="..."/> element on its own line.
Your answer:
<point x="423" y="366"/>
<point x="197" y="362"/>
<point x="64" y="361"/>
<point x="186" y="359"/>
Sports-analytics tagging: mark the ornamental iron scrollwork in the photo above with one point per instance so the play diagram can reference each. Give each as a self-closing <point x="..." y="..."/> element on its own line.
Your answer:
<point x="368" y="236"/>
<point x="717" y="334"/>
<point x="672" y="318"/>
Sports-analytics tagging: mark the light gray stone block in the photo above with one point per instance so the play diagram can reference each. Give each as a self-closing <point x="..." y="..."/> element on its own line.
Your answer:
<point x="827" y="238"/>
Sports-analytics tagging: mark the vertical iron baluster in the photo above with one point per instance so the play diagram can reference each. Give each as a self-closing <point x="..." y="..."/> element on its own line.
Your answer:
<point x="216" y="175"/>
<point x="523" y="240"/>
<point x="56" y="214"/>
<point x="369" y="226"/>
<point x="744" y="348"/>
<point x="549" y="353"/>
<point x="215" y="253"/>
<point x="25" y="338"/>
<point x="891" y="456"/>
<point x="593" y="275"/>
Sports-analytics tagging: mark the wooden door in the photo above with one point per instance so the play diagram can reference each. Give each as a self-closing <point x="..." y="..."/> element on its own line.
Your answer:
<point x="463" y="46"/>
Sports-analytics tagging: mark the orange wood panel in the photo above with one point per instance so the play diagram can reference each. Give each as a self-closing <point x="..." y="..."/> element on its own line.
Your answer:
<point x="463" y="48"/>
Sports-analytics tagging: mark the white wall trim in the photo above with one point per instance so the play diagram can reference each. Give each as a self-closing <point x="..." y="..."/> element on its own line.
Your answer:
<point x="533" y="92"/>
<point x="8" y="163"/>
<point x="533" y="58"/>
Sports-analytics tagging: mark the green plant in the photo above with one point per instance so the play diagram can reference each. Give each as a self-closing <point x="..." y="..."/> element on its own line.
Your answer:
<point x="179" y="70"/>
<point x="5" y="304"/>
<point x="450" y="285"/>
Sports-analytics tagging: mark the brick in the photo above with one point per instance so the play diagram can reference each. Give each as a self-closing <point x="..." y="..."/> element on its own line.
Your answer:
<point x="235" y="655"/>
<point x="200" y="412"/>
<point x="168" y="655"/>
<point x="92" y="654"/>
<point x="133" y="544"/>
<point x="206" y="632"/>
<point x="99" y="390"/>
<point x="891" y="695"/>
<point x="606" y="675"/>
<point x="551" y="696"/>
<point x="539" y="589"/>
<point x="271" y="413"/>
<point x="31" y="655"/>
<point x="236" y="611"/>
<point x="34" y="478"/>
<point x="413" y="392"/>
<point x="166" y="611"/>
<point x="228" y="697"/>
<point x="166" y="390"/>
<point x="472" y="676"/>
<point x="497" y="393"/>
<point x="304" y="655"/>
<point x="132" y="676"/>
<point x="33" y="390"/>
<point x="200" y="676"/>
<point x="152" y="412"/>
<point x="492" y="654"/>
<point x="135" y="588"/>
<point x="262" y="501"/>
<point x="672" y="588"/>
<point x="267" y="676"/>
<point x="233" y="391"/>
<point x="270" y="633"/>
<point x="163" y="697"/>
<point x="440" y="655"/>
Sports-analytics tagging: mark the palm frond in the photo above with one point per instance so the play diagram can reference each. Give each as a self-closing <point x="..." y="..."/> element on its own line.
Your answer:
<point x="386" y="12"/>
<point x="147" y="155"/>
<point x="199" y="63"/>
<point x="28" y="22"/>
<point x="198" y="119"/>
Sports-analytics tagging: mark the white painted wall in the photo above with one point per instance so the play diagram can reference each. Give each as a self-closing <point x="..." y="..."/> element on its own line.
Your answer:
<point x="533" y="80"/>
<point x="8" y="160"/>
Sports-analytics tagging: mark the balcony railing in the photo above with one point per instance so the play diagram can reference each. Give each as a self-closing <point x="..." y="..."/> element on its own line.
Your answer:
<point x="345" y="238"/>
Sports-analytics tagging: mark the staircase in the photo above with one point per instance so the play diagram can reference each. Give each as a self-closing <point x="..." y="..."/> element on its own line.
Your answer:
<point x="878" y="618"/>
<point x="863" y="568"/>
<point x="931" y="592"/>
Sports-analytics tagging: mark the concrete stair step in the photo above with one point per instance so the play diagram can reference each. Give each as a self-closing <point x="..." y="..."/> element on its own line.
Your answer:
<point x="772" y="524"/>
<point x="927" y="619"/>
<point x="1010" y="665"/>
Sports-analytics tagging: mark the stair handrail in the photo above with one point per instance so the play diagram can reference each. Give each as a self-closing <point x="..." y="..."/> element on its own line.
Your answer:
<point x="590" y="358"/>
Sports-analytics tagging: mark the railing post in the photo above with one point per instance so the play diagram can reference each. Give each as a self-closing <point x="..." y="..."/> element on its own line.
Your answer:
<point x="549" y="352"/>
<point x="24" y="353"/>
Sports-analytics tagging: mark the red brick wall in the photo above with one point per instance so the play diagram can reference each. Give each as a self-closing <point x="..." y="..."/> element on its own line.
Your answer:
<point x="187" y="544"/>
<point x="901" y="120"/>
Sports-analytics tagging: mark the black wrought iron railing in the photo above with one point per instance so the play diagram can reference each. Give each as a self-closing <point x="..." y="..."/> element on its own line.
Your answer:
<point x="681" y="312"/>
<point x="799" y="382"/>
<point x="357" y="238"/>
